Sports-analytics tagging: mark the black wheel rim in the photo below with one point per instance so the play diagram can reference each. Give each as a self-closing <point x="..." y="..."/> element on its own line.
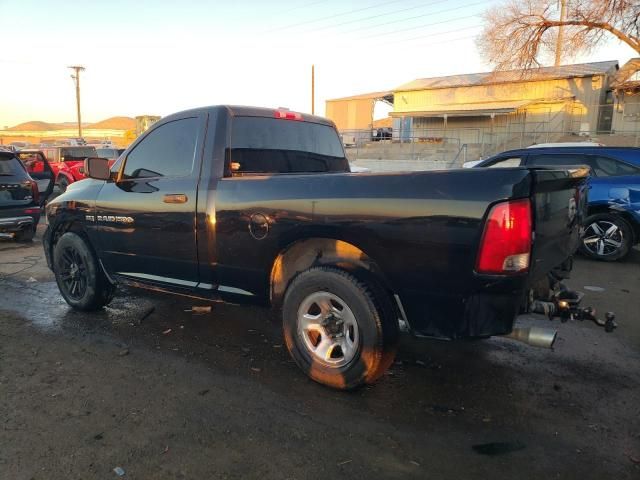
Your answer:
<point x="603" y="238"/>
<point x="72" y="271"/>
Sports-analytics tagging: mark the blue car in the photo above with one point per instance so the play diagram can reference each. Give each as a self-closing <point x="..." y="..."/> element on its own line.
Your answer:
<point x="613" y="223"/>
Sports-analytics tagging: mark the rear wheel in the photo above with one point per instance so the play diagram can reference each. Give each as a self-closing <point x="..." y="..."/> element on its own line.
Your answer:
<point x="25" y="235"/>
<point x="81" y="281"/>
<point x="63" y="183"/>
<point x="606" y="237"/>
<point x="340" y="331"/>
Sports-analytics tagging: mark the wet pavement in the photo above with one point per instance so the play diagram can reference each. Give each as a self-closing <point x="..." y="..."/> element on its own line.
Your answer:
<point x="147" y="386"/>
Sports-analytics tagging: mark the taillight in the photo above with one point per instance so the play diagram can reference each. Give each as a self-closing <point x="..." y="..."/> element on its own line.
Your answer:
<point x="287" y="115"/>
<point x="35" y="193"/>
<point x="506" y="241"/>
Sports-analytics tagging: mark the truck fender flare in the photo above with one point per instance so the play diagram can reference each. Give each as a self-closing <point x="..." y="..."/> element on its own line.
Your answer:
<point x="310" y="252"/>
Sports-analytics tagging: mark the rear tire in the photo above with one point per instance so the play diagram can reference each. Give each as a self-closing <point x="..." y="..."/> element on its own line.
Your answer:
<point x="79" y="276"/>
<point x="63" y="183"/>
<point x="25" y="235"/>
<point x="340" y="331"/>
<point x="607" y="237"/>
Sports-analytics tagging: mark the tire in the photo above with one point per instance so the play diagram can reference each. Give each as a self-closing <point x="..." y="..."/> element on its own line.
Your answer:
<point x="607" y="237"/>
<point x="25" y="235"/>
<point x="63" y="183"/>
<point x="342" y="332"/>
<point x="81" y="281"/>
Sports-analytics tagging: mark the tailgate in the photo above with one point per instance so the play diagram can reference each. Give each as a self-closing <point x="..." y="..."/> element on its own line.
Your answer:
<point x="560" y="206"/>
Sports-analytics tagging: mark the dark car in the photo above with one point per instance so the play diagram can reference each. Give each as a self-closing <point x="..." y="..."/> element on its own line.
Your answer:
<point x="254" y="205"/>
<point x="613" y="223"/>
<point x="20" y="201"/>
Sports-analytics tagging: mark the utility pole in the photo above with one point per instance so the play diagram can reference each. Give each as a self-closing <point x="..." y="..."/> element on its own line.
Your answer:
<point x="76" y="78"/>
<point x="313" y="89"/>
<point x="560" y="39"/>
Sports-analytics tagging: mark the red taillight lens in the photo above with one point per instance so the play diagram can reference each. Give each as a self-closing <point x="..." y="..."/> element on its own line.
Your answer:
<point x="35" y="192"/>
<point x="506" y="241"/>
<point x="287" y="115"/>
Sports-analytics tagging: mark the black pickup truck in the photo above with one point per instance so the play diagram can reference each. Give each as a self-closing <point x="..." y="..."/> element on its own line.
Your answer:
<point x="247" y="204"/>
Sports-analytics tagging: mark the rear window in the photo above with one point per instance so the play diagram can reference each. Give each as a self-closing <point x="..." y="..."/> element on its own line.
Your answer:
<point x="77" y="153"/>
<point x="10" y="166"/>
<point x="268" y="145"/>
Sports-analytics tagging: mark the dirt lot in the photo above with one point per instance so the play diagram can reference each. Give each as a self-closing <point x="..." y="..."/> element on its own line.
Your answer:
<point x="165" y="394"/>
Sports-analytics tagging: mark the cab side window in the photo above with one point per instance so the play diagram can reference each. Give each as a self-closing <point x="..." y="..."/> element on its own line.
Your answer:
<point x="553" y="159"/>
<point x="167" y="151"/>
<point x="608" y="167"/>
<point x="506" y="163"/>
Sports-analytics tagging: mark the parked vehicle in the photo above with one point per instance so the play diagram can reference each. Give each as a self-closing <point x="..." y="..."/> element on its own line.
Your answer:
<point x="40" y="171"/>
<point x="254" y="205"/>
<point x="67" y="162"/>
<point x="109" y="153"/>
<point x="613" y="223"/>
<point x="19" y="198"/>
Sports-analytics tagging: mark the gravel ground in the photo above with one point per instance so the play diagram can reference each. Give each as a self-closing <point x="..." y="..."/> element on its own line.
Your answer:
<point x="165" y="394"/>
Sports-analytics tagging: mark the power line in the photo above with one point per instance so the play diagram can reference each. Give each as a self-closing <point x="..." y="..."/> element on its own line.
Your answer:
<point x="420" y="26"/>
<point x="286" y="27"/>
<point x="437" y="34"/>
<point x="417" y="16"/>
<point x="378" y="15"/>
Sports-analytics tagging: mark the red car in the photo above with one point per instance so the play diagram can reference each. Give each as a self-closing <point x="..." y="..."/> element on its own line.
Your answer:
<point x="67" y="162"/>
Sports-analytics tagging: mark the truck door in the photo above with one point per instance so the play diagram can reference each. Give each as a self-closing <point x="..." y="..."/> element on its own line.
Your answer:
<point x="146" y="219"/>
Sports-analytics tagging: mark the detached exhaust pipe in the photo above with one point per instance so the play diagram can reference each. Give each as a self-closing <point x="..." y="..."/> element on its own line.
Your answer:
<point x="534" y="336"/>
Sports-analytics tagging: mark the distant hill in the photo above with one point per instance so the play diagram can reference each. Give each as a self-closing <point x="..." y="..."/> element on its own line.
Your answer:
<point x="113" y="123"/>
<point x="35" y="125"/>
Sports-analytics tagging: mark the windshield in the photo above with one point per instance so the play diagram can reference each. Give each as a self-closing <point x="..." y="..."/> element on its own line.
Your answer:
<point x="77" y="153"/>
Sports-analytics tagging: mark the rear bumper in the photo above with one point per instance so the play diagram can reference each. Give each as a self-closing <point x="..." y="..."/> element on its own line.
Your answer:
<point x="484" y="312"/>
<point x="15" y="224"/>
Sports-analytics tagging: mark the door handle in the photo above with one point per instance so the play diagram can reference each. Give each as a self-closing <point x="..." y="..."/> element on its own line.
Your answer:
<point x="175" y="198"/>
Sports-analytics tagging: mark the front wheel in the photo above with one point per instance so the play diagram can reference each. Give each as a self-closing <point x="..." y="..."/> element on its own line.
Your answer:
<point x="340" y="331"/>
<point x="81" y="282"/>
<point x="606" y="237"/>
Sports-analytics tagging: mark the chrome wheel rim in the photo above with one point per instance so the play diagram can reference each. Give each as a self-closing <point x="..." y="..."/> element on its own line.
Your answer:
<point x="72" y="271"/>
<point x="328" y="329"/>
<point x="603" y="238"/>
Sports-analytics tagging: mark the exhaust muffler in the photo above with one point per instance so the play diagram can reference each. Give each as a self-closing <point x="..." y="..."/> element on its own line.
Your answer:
<point x="534" y="336"/>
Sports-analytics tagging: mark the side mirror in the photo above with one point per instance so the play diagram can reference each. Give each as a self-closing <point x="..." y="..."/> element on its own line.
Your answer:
<point x="97" y="168"/>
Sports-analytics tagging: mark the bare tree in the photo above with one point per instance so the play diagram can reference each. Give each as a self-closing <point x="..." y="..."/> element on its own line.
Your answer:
<point x="519" y="33"/>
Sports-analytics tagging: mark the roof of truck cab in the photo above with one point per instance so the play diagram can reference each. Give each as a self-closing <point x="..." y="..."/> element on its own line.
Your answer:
<point x="247" y="111"/>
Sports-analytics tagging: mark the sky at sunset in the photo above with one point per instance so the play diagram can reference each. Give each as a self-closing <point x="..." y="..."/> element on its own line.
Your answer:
<point x="157" y="57"/>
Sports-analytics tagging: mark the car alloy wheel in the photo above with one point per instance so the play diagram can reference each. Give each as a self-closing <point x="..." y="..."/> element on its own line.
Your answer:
<point x="603" y="238"/>
<point x="328" y="329"/>
<point x="73" y="273"/>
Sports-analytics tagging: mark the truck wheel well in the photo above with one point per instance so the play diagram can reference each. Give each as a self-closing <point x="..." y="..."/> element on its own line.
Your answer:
<point x="311" y="252"/>
<point x="63" y="228"/>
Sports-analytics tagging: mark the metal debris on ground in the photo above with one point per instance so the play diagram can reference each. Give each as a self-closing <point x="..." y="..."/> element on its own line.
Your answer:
<point x="146" y="313"/>
<point x="344" y="463"/>
<point x="413" y="462"/>
<point x="123" y="352"/>
<point x="167" y="331"/>
<point x="593" y="288"/>
<point x="31" y="280"/>
<point x="119" y="471"/>
<point x="199" y="310"/>
<point x="256" y="369"/>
